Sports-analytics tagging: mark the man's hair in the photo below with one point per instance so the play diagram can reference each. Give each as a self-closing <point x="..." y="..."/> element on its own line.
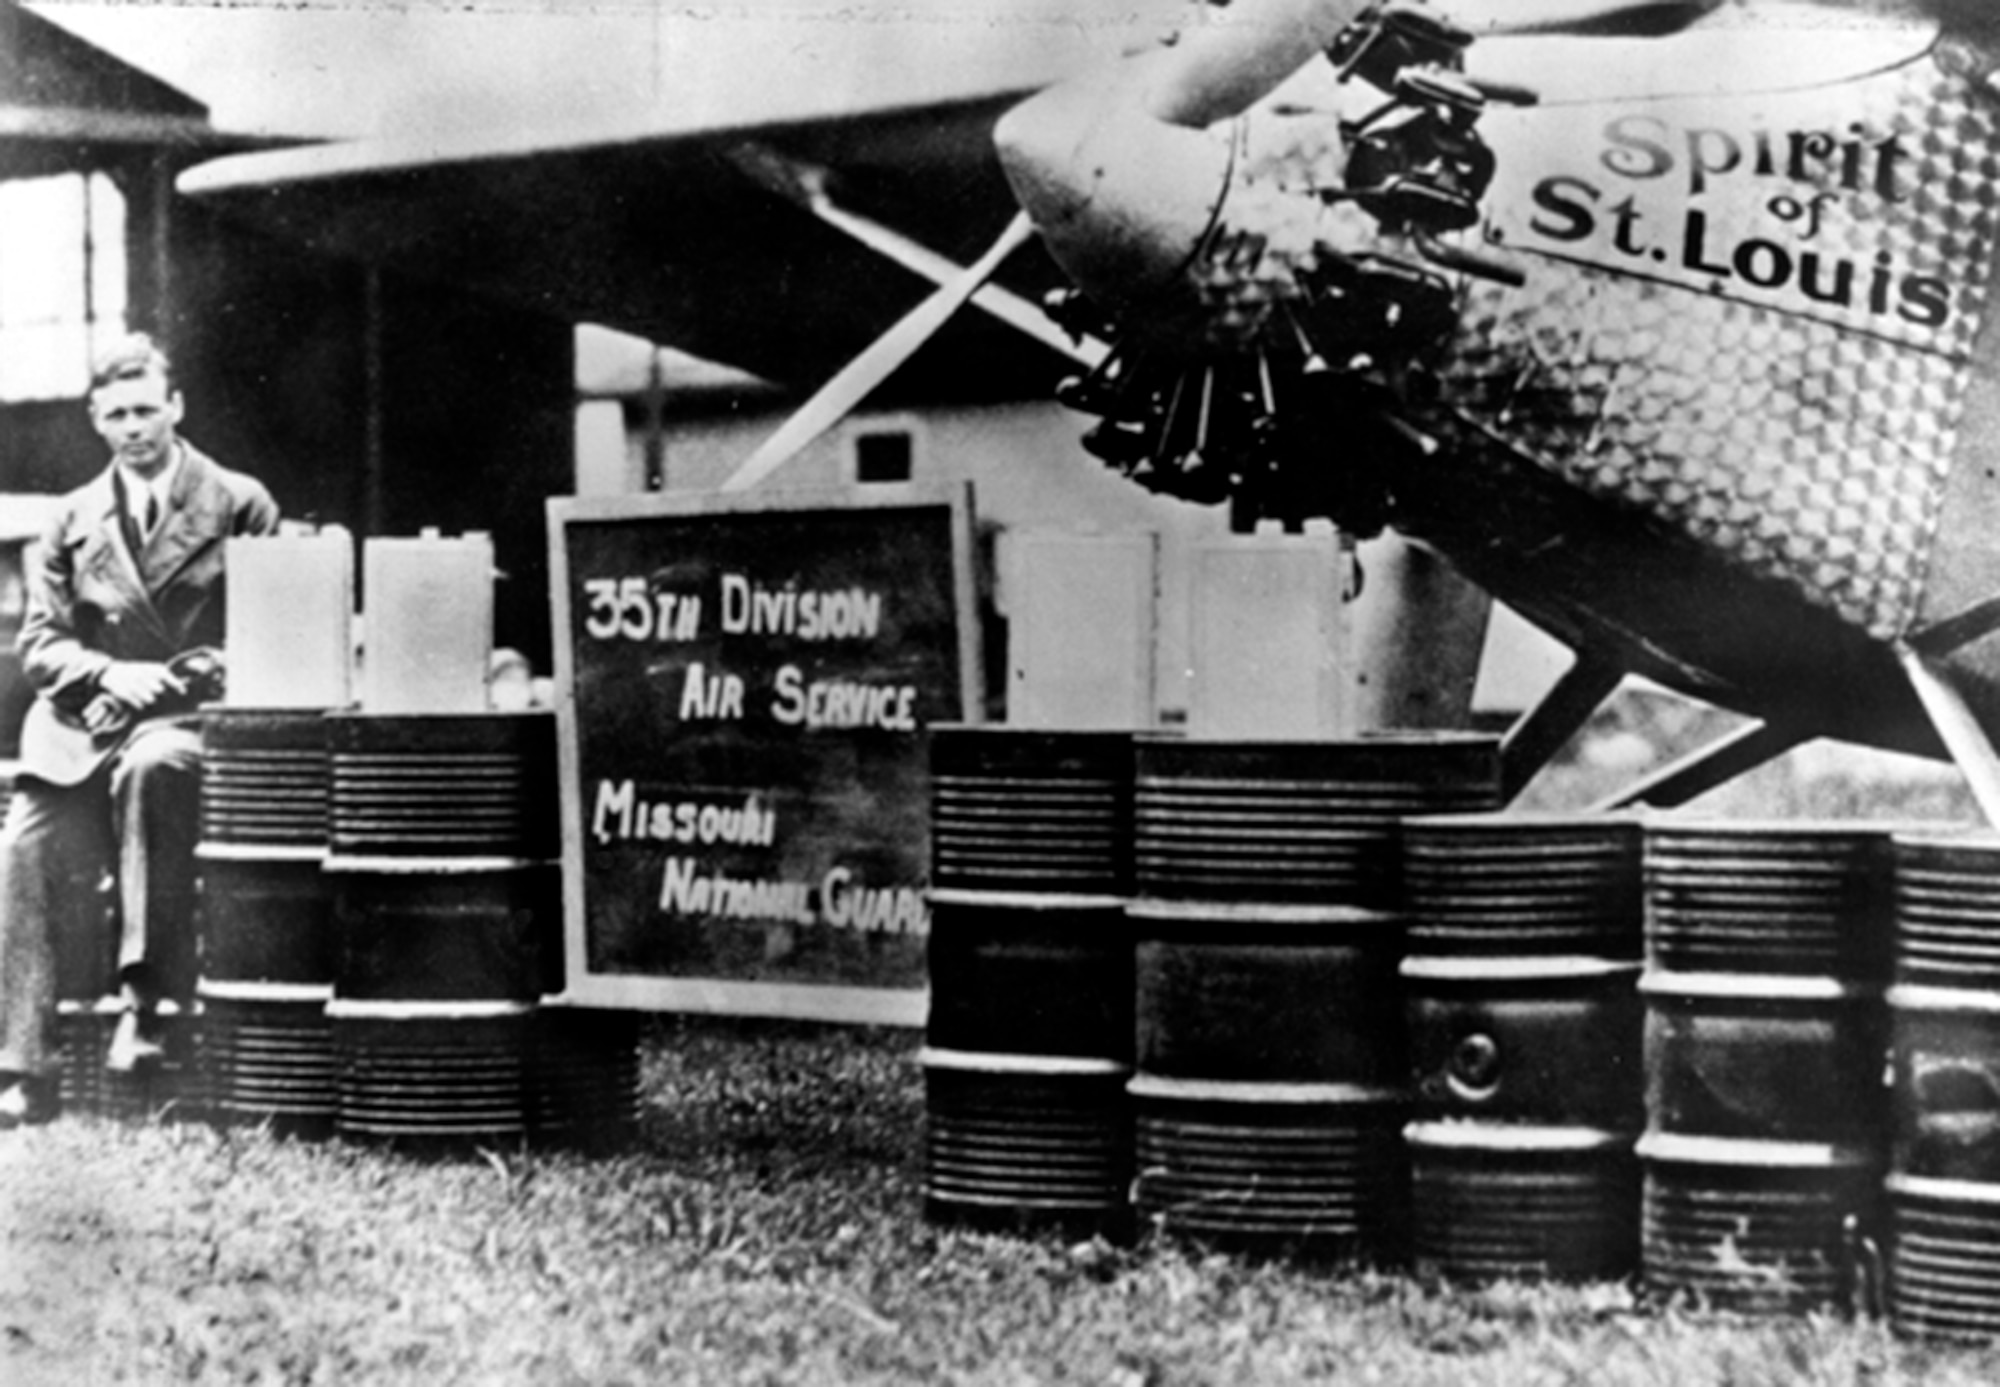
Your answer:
<point x="128" y="358"/>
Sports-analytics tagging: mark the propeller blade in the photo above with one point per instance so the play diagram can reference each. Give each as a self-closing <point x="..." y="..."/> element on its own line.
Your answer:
<point x="857" y="380"/>
<point x="1586" y="18"/>
<point x="805" y="184"/>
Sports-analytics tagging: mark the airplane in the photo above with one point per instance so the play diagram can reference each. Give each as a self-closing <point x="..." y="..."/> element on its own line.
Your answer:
<point x="1695" y="376"/>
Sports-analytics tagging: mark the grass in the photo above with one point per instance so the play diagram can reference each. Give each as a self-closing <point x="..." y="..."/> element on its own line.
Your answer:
<point x="766" y="1228"/>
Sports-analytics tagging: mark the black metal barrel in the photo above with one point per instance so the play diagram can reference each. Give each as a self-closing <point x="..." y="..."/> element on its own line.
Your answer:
<point x="265" y="920"/>
<point x="1766" y="1142"/>
<point x="1272" y="1085"/>
<point x="1525" y="1025"/>
<point x="447" y="918"/>
<point x="1943" y="1189"/>
<point x="1029" y="1034"/>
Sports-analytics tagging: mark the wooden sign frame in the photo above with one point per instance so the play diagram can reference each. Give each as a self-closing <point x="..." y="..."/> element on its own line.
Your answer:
<point x="648" y="687"/>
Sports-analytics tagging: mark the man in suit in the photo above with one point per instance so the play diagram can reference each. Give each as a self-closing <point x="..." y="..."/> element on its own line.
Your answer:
<point x="120" y="641"/>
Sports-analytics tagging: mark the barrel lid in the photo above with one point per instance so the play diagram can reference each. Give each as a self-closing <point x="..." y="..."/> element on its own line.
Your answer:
<point x="1527" y="1137"/>
<point x="1260" y="1092"/>
<point x="1750" y="1152"/>
<point x="982" y="1062"/>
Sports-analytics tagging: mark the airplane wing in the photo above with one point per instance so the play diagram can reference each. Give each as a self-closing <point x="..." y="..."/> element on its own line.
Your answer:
<point x="688" y="237"/>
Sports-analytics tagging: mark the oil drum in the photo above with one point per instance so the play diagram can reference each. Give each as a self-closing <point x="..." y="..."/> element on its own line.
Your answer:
<point x="1028" y="1041"/>
<point x="1943" y="1190"/>
<point x="1030" y="810"/>
<point x="264" y="919"/>
<point x="1296" y="822"/>
<point x="1765" y="1028"/>
<point x="1524" y="1028"/>
<point x="446" y="917"/>
<point x="1271" y="1084"/>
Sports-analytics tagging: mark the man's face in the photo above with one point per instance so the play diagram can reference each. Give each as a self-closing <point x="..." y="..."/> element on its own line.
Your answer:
<point x="136" y="420"/>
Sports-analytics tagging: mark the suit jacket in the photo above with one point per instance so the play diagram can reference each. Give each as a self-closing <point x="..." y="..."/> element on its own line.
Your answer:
<point x="92" y="599"/>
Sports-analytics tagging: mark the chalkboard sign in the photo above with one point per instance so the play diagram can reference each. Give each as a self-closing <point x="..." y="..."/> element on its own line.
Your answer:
<point x="743" y="687"/>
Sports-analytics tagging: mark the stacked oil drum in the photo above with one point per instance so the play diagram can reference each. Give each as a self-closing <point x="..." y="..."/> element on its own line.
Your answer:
<point x="1524" y="1028"/>
<point x="1029" y="1038"/>
<point x="1271" y="1084"/>
<point x="265" y="926"/>
<point x="446" y="897"/>
<point x="1943" y="1190"/>
<point x="1768" y="949"/>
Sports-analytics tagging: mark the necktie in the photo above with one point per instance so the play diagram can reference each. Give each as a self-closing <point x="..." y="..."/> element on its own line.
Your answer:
<point x="152" y="512"/>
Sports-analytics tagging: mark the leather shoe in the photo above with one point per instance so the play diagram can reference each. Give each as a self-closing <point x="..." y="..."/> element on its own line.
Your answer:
<point x="135" y="1043"/>
<point x="28" y="1101"/>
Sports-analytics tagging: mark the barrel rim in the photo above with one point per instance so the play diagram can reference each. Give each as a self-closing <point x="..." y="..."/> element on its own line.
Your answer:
<point x="1540" y="819"/>
<point x="210" y="850"/>
<point x="360" y="1009"/>
<point x="1514" y="968"/>
<point x="231" y="990"/>
<point x="1180" y="910"/>
<point x="1660" y="827"/>
<point x="1931" y="1187"/>
<point x="1912" y="996"/>
<point x="1267" y="1092"/>
<point x="114" y="1006"/>
<point x="1666" y="982"/>
<point x="1521" y="1138"/>
<point x="1690" y="1149"/>
<point x="1002" y="1062"/>
<point x="439" y="717"/>
<point x="1392" y="737"/>
<point x="383" y="864"/>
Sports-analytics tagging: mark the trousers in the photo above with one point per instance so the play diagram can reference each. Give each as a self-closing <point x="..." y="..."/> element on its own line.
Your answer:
<point x="134" y="823"/>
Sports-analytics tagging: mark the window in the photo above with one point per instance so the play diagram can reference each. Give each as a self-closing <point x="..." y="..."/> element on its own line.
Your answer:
<point x="883" y="453"/>
<point x="62" y="282"/>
